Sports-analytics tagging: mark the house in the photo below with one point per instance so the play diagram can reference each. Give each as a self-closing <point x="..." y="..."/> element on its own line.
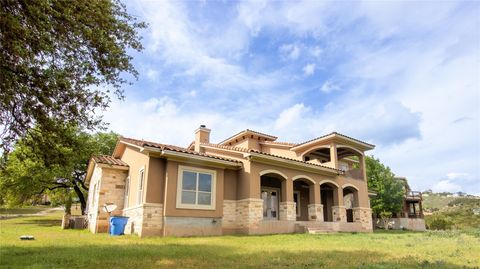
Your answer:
<point x="411" y="216"/>
<point x="250" y="183"/>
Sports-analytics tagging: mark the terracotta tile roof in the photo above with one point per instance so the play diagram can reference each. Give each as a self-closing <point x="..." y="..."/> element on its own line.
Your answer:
<point x="143" y="143"/>
<point x="105" y="159"/>
<point x="280" y="143"/>
<point x="249" y="131"/>
<point x="268" y="154"/>
<point x="334" y="133"/>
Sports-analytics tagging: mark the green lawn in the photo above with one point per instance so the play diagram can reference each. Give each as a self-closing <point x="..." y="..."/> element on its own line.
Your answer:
<point x="22" y="210"/>
<point x="56" y="248"/>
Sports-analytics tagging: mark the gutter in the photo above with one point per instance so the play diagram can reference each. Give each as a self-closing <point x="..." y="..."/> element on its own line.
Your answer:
<point x="182" y="155"/>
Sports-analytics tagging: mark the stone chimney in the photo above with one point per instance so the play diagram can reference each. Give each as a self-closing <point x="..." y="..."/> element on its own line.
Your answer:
<point x="202" y="135"/>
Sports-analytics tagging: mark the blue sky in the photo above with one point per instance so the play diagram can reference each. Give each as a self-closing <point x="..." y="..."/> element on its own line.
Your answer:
<point x="401" y="75"/>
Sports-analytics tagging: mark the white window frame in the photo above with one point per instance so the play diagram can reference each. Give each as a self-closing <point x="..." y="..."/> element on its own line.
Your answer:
<point x="127" y="190"/>
<point x="213" y="173"/>
<point x="141" y="185"/>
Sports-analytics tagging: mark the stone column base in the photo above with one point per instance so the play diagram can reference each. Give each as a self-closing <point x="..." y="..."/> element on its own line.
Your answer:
<point x="288" y="211"/>
<point x="339" y="214"/>
<point x="364" y="216"/>
<point x="249" y="213"/>
<point x="315" y="212"/>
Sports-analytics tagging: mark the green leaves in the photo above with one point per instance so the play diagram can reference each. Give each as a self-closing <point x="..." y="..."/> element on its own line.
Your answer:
<point x="54" y="159"/>
<point x="59" y="60"/>
<point x="389" y="191"/>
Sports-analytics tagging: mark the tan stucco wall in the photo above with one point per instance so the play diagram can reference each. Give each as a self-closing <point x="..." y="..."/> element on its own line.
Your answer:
<point x="155" y="181"/>
<point x="280" y="151"/>
<point x="230" y="184"/>
<point x="136" y="161"/>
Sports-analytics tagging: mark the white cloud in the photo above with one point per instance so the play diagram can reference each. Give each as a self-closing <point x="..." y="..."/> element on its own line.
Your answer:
<point x="446" y="186"/>
<point x="405" y="84"/>
<point x="328" y="87"/>
<point x="453" y="176"/>
<point x="290" y="51"/>
<point x="309" y="69"/>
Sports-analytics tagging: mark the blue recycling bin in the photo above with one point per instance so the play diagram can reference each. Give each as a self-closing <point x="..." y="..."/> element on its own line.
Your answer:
<point x="117" y="225"/>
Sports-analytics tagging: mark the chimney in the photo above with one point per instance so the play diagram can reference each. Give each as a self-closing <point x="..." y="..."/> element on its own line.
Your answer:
<point x="202" y="135"/>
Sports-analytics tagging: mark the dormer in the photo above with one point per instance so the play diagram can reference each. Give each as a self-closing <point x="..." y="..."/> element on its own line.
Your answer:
<point x="248" y="139"/>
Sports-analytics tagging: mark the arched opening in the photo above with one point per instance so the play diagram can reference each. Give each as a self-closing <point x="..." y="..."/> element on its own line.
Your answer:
<point x="303" y="195"/>
<point x="328" y="193"/>
<point x="318" y="156"/>
<point x="272" y="192"/>
<point x="350" y="201"/>
<point x="350" y="161"/>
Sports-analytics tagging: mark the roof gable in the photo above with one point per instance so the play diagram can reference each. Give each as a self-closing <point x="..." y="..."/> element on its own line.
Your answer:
<point x="248" y="133"/>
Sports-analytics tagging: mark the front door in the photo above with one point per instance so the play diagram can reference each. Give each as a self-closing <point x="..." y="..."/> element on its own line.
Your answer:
<point x="270" y="202"/>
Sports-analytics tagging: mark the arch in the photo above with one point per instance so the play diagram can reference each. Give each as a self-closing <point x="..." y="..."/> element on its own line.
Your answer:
<point x="351" y="148"/>
<point x="350" y="185"/>
<point x="328" y="181"/>
<point x="303" y="177"/>
<point x="313" y="149"/>
<point x="273" y="171"/>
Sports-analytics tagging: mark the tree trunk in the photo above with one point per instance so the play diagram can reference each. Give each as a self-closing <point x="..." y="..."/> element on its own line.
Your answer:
<point x="81" y="197"/>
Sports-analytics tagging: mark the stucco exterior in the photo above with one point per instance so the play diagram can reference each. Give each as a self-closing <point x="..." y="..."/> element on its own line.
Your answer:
<point x="255" y="186"/>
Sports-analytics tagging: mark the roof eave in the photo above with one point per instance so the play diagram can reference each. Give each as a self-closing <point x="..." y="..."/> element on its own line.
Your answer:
<point x="192" y="158"/>
<point x="306" y="166"/>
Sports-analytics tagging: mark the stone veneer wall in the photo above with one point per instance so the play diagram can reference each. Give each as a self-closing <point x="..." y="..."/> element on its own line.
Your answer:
<point x="287" y="211"/>
<point x="339" y="214"/>
<point x="363" y="215"/>
<point x="229" y="220"/>
<point x="145" y="219"/>
<point x="111" y="190"/>
<point x="249" y="214"/>
<point x="315" y="212"/>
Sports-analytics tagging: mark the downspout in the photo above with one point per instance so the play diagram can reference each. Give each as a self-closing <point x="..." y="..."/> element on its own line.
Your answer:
<point x="165" y="196"/>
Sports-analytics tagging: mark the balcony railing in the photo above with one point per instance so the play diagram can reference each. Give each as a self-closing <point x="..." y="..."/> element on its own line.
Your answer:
<point x="355" y="173"/>
<point x="413" y="195"/>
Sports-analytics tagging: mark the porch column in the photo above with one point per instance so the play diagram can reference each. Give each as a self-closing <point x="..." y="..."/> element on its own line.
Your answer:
<point x="333" y="155"/>
<point x="339" y="211"/>
<point x="363" y="166"/>
<point x="287" y="205"/>
<point x="315" y="207"/>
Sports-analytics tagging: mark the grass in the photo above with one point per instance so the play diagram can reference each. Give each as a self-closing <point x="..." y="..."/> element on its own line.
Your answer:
<point x="22" y="210"/>
<point x="56" y="248"/>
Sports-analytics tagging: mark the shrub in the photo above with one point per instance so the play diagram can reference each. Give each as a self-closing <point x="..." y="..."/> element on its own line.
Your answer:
<point x="439" y="223"/>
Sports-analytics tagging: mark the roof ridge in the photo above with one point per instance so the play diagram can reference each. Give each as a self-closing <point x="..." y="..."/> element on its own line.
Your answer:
<point x="333" y="133"/>
<point x="248" y="130"/>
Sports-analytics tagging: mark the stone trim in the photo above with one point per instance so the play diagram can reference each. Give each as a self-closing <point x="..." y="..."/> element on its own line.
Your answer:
<point x="339" y="213"/>
<point x="315" y="212"/>
<point x="287" y="211"/>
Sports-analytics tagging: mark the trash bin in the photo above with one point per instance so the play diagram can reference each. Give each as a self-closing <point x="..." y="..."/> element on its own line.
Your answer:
<point x="117" y="225"/>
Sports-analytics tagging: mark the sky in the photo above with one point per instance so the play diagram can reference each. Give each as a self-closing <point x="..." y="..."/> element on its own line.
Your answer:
<point x="404" y="76"/>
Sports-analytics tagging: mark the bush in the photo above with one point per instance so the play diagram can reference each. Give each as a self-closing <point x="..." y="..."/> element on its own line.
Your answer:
<point x="439" y="223"/>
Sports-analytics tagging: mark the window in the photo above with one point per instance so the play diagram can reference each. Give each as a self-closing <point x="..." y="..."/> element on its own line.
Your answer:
<point x="196" y="188"/>
<point x="127" y="185"/>
<point x="140" y="186"/>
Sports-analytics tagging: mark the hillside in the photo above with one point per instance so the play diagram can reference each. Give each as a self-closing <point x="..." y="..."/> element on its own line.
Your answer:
<point x="452" y="212"/>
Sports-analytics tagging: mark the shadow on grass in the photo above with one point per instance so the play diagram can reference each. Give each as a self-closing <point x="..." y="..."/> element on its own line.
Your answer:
<point x="161" y="255"/>
<point x="42" y="222"/>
